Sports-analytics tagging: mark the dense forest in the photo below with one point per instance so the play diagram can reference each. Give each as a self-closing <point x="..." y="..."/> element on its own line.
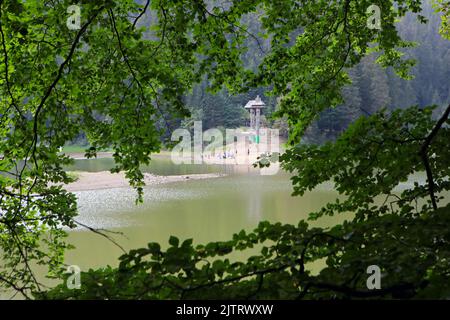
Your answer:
<point x="373" y="87"/>
<point x="129" y="73"/>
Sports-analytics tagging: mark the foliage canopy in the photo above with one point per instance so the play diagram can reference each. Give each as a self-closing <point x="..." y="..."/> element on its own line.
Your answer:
<point x="122" y="83"/>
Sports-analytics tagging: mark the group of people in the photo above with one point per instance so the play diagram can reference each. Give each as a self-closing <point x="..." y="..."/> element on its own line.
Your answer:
<point x="227" y="155"/>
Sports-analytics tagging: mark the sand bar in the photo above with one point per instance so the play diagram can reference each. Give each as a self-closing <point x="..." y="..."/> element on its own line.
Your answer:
<point x="108" y="180"/>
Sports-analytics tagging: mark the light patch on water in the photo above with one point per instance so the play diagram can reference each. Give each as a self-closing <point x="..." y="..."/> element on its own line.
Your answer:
<point x="114" y="208"/>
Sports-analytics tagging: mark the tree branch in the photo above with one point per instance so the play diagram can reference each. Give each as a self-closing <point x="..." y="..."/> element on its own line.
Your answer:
<point x="141" y="14"/>
<point x="424" y="154"/>
<point x="60" y="72"/>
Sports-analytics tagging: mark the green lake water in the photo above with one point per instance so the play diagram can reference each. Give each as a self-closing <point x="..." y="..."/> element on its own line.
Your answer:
<point x="205" y="210"/>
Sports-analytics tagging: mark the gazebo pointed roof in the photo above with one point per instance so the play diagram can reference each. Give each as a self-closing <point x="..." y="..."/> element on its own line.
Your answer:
<point x="255" y="104"/>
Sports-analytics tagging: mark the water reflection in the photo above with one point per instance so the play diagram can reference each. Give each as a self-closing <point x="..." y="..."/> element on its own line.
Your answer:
<point x="205" y="210"/>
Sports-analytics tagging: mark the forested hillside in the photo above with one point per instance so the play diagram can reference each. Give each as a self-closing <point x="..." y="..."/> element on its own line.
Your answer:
<point x="373" y="87"/>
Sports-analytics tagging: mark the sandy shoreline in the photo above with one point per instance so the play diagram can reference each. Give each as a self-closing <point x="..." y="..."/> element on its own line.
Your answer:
<point x="106" y="154"/>
<point x="107" y="180"/>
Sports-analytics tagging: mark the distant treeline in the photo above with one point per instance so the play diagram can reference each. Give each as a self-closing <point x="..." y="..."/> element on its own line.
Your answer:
<point x="373" y="87"/>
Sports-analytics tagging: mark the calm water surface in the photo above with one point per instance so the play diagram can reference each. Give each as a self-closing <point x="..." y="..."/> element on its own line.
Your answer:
<point x="205" y="210"/>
